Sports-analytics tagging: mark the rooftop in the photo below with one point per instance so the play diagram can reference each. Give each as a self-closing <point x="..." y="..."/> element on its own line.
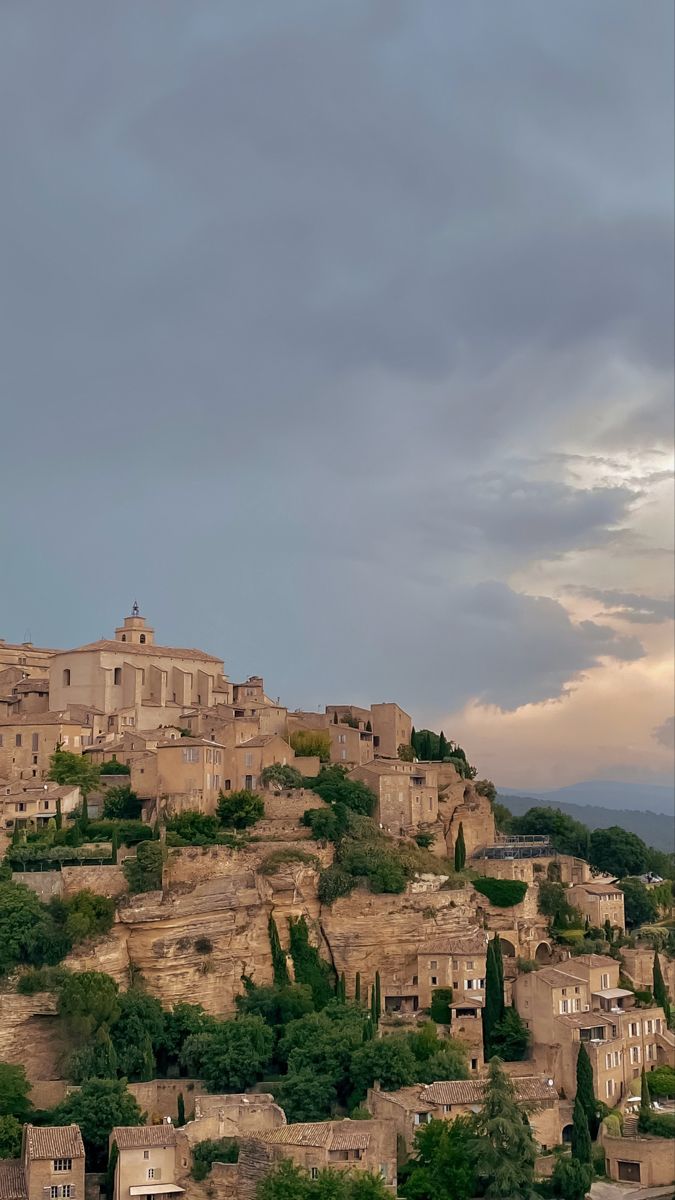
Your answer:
<point x="333" y="1135"/>
<point x="53" y="1141"/>
<point x="129" y="1137"/>
<point x="599" y="889"/>
<point x="455" y="945"/>
<point x="12" y="1180"/>
<point x="527" y="1089"/>
<point x="188" y="741"/>
<point x="149" y="650"/>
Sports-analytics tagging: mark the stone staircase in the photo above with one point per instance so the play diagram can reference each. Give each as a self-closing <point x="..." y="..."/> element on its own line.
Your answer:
<point x="630" y="1127"/>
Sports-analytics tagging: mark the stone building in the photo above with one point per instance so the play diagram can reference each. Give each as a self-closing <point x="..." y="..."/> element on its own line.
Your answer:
<point x="31" y="805"/>
<point x="132" y="672"/>
<point x="21" y="695"/>
<point x="28" y="740"/>
<point x="407" y="792"/>
<point x="638" y="1159"/>
<point x="600" y="901"/>
<point x="51" y="1165"/>
<point x="146" y="1161"/>
<point x="410" y="1107"/>
<point x="32" y="660"/>
<point x="341" y="1145"/>
<point x="580" y="1001"/>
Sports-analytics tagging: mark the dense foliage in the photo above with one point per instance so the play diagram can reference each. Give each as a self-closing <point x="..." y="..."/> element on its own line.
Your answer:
<point x="333" y="786"/>
<point x="280" y="777"/>
<point x="440" y="1167"/>
<point x="97" y="1107"/>
<point x="239" y="810"/>
<point x="504" y="1151"/>
<point x="204" y="1154"/>
<point x="121" y="803"/>
<point x="74" y="769"/>
<point x="311" y="743"/>
<point x="144" y="872"/>
<point x="503" y="893"/>
<point x="37" y="934"/>
<point x="290" y="1182"/>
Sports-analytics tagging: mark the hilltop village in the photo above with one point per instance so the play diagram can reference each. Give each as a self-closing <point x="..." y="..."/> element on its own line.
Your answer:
<point x="244" y="948"/>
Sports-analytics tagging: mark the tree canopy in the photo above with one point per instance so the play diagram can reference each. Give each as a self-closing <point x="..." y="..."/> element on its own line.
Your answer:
<point x="97" y="1107"/>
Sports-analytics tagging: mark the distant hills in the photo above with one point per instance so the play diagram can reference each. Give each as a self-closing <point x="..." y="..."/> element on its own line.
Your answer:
<point x="638" y="797"/>
<point x="655" y="828"/>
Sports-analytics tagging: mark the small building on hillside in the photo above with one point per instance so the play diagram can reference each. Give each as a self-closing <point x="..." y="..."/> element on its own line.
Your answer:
<point x="146" y="1162"/>
<point x="340" y="1145"/>
<point x="51" y="1165"/>
<point x="600" y="900"/>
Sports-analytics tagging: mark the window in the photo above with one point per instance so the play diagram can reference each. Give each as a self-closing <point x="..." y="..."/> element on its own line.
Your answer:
<point x="576" y="990"/>
<point x="635" y="1054"/>
<point x="34" y="741"/>
<point x="433" y="964"/>
<point x="604" y="981"/>
<point x="227" y="785"/>
<point x="434" y="979"/>
<point x="474" y="1064"/>
<point x="248" y="760"/>
<point x="314" y="1172"/>
<point x="634" y="1029"/>
<point x="610" y="1088"/>
<point x="190" y="754"/>
<point x="564" y="1006"/>
<point x="469" y="966"/>
<point x="154" y="1173"/>
<point x="117" y="675"/>
<point x="343" y="755"/>
<point x="66" y="677"/>
<point x="142" y="639"/>
<point x="648" y="1027"/>
<point x="342" y="738"/>
<point x="63" y="1164"/>
<point x="564" y="991"/>
<point x="20" y="807"/>
<point x="146" y="1154"/>
<point x="17" y="739"/>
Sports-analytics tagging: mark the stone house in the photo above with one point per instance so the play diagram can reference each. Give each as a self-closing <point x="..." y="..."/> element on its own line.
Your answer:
<point x="600" y="901"/>
<point x="23" y="695"/>
<point x="33" y="660"/>
<point x="407" y="792"/>
<point x="410" y="1107"/>
<point x="146" y="1161"/>
<point x="232" y="1115"/>
<point x="341" y="1145"/>
<point x="581" y="1001"/>
<point x="636" y="1159"/>
<point x="29" y="803"/>
<point x="28" y="740"/>
<point x="51" y="1166"/>
<point x="190" y="774"/>
<point x="390" y="725"/>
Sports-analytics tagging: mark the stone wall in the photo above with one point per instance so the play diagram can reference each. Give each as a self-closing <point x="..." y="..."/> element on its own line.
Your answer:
<point x="30" y="1034"/>
<point x="159" y="1097"/>
<point x="105" y="881"/>
<point x="46" y="884"/>
<point x="639" y="966"/>
<point x="654" y="1155"/>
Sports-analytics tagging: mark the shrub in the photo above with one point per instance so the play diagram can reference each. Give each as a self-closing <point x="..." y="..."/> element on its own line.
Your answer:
<point x="129" y="832"/>
<point x="280" y="777"/>
<point x="204" y="1154"/>
<point x="527" y="965"/>
<point x="120" y="803"/>
<point x="115" y="768"/>
<point x="85" y="915"/>
<point x="333" y="786"/>
<point x="310" y="743"/>
<point x="239" y="810"/>
<point x="203" y="945"/>
<point x="193" y="828"/>
<point x="503" y="893"/>
<point x="41" y="979"/>
<point x="658" y="1124"/>
<point x="144" y="872"/>
<point x="425" y="840"/>
<point x="327" y="824"/>
<point x="441" y="999"/>
<point x="308" y="965"/>
<point x="661" y="1082"/>
<point x="335" y="882"/>
<point x="278" y="858"/>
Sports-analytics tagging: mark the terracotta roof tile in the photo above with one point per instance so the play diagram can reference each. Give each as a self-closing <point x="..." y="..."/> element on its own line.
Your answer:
<point x="54" y="1141"/>
<point x="149" y="650"/>
<point x="12" y="1180"/>
<point x="334" y="1135"/>
<point x="528" y="1089"/>
<point x="130" y="1136"/>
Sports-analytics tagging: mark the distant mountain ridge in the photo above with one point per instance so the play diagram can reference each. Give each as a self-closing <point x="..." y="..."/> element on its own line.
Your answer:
<point x="603" y="793"/>
<point x="656" y="829"/>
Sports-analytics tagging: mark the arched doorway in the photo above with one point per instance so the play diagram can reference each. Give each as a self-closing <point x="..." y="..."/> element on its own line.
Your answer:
<point x="567" y="1134"/>
<point x="543" y="952"/>
<point x="508" y="948"/>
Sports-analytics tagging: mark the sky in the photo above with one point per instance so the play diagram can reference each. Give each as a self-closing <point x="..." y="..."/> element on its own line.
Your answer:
<point x="341" y="337"/>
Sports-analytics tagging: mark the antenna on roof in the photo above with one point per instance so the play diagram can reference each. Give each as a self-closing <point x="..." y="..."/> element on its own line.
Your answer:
<point x="135" y="610"/>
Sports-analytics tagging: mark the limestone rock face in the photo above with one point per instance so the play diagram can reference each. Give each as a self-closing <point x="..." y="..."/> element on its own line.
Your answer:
<point x="30" y="1034"/>
<point x="459" y="802"/>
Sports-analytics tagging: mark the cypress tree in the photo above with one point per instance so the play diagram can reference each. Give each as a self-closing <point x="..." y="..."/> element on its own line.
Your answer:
<point x="504" y="1152"/>
<point x="110" y="1173"/>
<point x="59" y="814"/>
<point x="378" y="996"/>
<point x="369" y="728"/>
<point x="659" y="989"/>
<point x="115" y="845"/>
<point x="279" y="964"/>
<point x="609" y="932"/>
<point x="499" y="961"/>
<point x="368" y="1030"/>
<point x="357" y="987"/>
<point x="493" y="1009"/>
<point x="460" y="849"/>
<point x="84" y="815"/>
<point x="372" y="1005"/>
<point x="180" y="1102"/>
<point x="585" y="1092"/>
<point x="343" y="988"/>
<point x="581" y="1137"/>
<point x="644" y="1118"/>
<point x="442" y="747"/>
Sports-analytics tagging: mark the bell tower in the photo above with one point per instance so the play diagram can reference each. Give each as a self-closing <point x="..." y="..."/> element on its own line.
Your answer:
<point x="135" y="629"/>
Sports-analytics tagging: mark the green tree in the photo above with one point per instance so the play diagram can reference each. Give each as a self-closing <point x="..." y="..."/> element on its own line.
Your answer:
<point x="204" y="1154"/>
<point x="88" y="1000"/>
<point x="74" y="769"/>
<point x="231" y="1055"/>
<point x="639" y="904"/>
<point x="28" y="933"/>
<point x="571" y="1179"/>
<point x="504" y="1152"/>
<point x="239" y="810"/>
<point x="193" y="827"/>
<point x="440" y="1167"/>
<point x="285" y="1182"/>
<point x="144" y="872"/>
<point x="553" y="903"/>
<point x="280" y="778"/>
<point x="94" y="1059"/>
<point x="120" y="803"/>
<point x="567" y="836"/>
<point x="581" y="1137"/>
<point x="442" y="747"/>
<point x="494" y="1007"/>
<point x="333" y="786"/>
<point x="182" y="1022"/>
<point x="276" y="1005"/>
<point x="306" y="1096"/>
<point x="97" y="1107"/>
<point x="617" y="851"/>
<point x="389" y="1060"/>
<point x="585" y="1089"/>
<point x="311" y="743"/>
<point x="137" y="1032"/>
<point x="279" y="964"/>
<point x="308" y="965"/>
<point x="510" y="1037"/>
<point x="323" y="1044"/>
<point x="460" y="849"/>
<point x="441" y="999"/>
<point x="10" y="1137"/>
<point x="86" y="915"/>
<point x="485" y="787"/>
<point x="659" y="989"/>
<point x="180" y="1109"/>
<point x="357" y="987"/>
<point x="14" y="1091"/>
<point x="405" y="752"/>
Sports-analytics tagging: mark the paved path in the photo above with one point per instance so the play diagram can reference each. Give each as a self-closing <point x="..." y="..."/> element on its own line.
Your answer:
<point x="602" y="1189"/>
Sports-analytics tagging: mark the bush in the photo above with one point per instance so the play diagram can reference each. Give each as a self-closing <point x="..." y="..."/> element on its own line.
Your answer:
<point x="41" y="979"/>
<point x="120" y="803"/>
<point x="203" y="945"/>
<point x="335" y="882"/>
<point x="193" y="828"/>
<point x="115" y="768"/>
<point x="661" y="1082"/>
<point x="310" y="743"/>
<point x="204" y="1154"/>
<point x="503" y="893"/>
<point x="239" y="810"/>
<point x="425" y="840"/>
<point x="85" y="915"/>
<point x="333" y="786"/>
<point x="129" y="832"/>
<point x="308" y="965"/>
<point x="441" y="999"/>
<point x="658" y="1124"/>
<point x="144" y="872"/>
<point x="327" y="824"/>
<point x="280" y="777"/>
<point x="278" y="859"/>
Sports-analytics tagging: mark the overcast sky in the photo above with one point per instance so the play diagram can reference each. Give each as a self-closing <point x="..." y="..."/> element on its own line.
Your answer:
<point x="340" y="334"/>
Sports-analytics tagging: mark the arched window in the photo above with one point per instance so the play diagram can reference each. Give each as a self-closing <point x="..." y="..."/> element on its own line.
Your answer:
<point x="66" y="677"/>
<point x="124" y="637"/>
<point x="117" y="675"/>
<point x="142" y="639"/>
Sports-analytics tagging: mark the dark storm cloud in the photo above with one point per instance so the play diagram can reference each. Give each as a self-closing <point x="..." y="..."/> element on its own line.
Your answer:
<point x="293" y="293"/>
<point x="630" y="606"/>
